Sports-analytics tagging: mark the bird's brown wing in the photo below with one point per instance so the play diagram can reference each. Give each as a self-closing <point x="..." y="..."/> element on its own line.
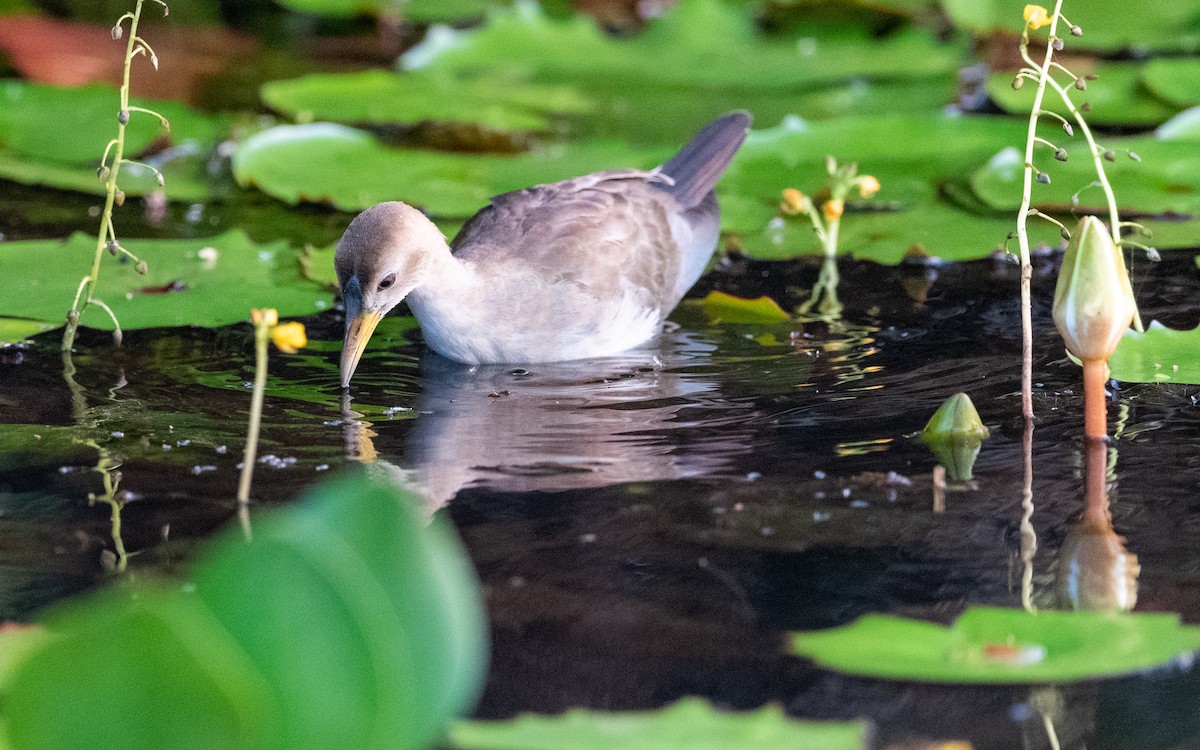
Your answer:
<point x="599" y="232"/>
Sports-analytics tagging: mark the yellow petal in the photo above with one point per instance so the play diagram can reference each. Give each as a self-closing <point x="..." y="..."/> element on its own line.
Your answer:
<point x="289" y="337"/>
<point x="868" y="185"/>
<point x="1036" y="16"/>
<point x="833" y="209"/>
<point x="268" y="316"/>
<point x="794" y="201"/>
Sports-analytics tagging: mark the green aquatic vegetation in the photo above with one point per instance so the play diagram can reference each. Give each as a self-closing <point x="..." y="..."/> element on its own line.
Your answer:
<point x="401" y="651"/>
<point x="954" y="434"/>
<point x="993" y="645"/>
<point x="689" y="724"/>
<point x="1112" y="25"/>
<point x="1157" y="355"/>
<point x="1177" y="80"/>
<point x="381" y="96"/>
<point x="202" y="282"/>
<point x="704" y="44"/>
<point x="352" y="170"/>
<point x="110" y="168"/>
<point x="1119" y="96"/>
<point x="726" y="308"/>
<point x="17" y="330"/>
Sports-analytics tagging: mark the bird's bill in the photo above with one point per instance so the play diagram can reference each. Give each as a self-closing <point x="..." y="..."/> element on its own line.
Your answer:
<point x="358" y="333"/>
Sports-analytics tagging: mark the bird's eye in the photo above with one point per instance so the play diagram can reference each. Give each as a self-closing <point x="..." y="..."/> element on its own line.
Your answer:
<point x="387" y="281"/>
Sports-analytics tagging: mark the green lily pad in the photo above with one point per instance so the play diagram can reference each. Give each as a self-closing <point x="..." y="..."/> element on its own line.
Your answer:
<point x="700" y="43"/>
<point x="385" y="640"/>
<point x="726" y="308"/>
<point x="992" y="645"/>
<point x="1107" y="24"/>
<point x="1118" y="96"/>
<point x="380" y="96"/>
<point x="917" y="153"/>
<point x="350" y="169"/>
<point x="690" y="724"/>
<point x="1166" y="180"/>
<point x="1184" y="126"/>
<point x="933" y="228"/>
<point x="1176" y="80"/>
<point x="16" y="330"/>
<point x="1158" y="355"/>
<point x="34" y="149"/>
<point x="183" y="286"/>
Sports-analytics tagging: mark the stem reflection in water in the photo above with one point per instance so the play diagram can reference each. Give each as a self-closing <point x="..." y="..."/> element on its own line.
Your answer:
<point x="106" y="464"/>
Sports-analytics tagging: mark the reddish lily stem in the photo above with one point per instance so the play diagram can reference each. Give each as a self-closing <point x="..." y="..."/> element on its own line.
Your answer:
<point x="1095" y="401"/>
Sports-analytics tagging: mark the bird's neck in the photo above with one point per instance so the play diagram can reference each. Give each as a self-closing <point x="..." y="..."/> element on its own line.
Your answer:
<point x="448" y="284"/>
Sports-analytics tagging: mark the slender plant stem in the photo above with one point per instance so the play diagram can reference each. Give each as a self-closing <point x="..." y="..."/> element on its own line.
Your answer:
<point x="1095" y="402"/>
<point x="1023" y="217"/>
<point x="1028" y="533"/>
<point x="1114" y="217"/>
<point x="261" y="340"/>
<point x="105" y="234"/>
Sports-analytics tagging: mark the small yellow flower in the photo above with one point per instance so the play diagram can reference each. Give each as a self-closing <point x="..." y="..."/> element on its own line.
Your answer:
<point x="794" y="202"/>
<point x="868" y="185"/>
<point x="267" y="316"/>
<point x="833" y="209"/>
<point x="289" y="337"/>
<point x="1036" y="16"/>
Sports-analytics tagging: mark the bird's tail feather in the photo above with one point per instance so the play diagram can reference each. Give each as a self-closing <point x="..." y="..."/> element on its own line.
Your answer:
<point x="699" y="164"/>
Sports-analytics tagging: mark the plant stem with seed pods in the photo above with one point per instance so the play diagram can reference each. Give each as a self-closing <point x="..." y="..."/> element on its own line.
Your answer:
<point x="109" y="170"/>
<point x="1114" y="218"/>
<point x="1043" y="74"/>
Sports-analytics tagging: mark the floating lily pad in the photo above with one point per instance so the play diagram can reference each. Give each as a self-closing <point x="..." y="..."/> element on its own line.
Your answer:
<point x="992" y="645"/>
<point x="35" y="148"/>
<point x="1118" y="96"/>
<point x="1166" y="180"/>
<point x="917" y="153"/>
<point x="1176" y="80"/>
<point x="690" y="724"/>
<point x="380" y="96"/>
<point x="933" y="228"/>
<point x="1107" y="24"/>
<point x="350" y="169"/>
<point x="1159" y="355"/>
<point x="1184" y="126"/>
<point x="701" y="43"/>
<point x="726" y="308"/>
<point x="16" y="330"/>
<point x="183" y="286"/>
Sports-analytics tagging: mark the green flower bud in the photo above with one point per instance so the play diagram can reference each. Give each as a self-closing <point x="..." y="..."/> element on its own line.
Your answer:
<point x="1093" y="301"/>
<point x="954" y="434"/>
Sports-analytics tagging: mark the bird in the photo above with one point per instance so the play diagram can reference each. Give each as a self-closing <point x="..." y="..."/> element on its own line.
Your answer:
<point x="586" y="267"/>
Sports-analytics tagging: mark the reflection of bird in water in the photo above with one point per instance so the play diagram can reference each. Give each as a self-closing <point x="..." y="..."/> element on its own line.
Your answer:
<point x="581" y="268"/>
<point x="1095" y="572"/>
<point x="564" y="425"/>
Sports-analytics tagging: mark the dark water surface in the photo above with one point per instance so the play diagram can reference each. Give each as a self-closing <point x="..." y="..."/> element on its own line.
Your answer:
<point x="651" y="525"/>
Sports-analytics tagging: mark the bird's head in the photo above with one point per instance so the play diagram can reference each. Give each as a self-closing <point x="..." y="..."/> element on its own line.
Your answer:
<point x="383" y="256"/>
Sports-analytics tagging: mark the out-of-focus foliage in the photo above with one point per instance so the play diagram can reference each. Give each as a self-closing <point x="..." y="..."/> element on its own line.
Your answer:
<point x="347" y="622"/>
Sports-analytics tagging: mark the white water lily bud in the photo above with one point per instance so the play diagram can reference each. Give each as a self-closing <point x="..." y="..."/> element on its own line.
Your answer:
<point x="1093" y="301"/>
